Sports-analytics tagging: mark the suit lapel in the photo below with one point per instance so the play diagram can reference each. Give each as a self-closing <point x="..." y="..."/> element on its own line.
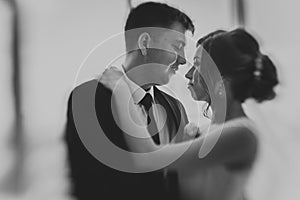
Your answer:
<point x="173" y="112"/>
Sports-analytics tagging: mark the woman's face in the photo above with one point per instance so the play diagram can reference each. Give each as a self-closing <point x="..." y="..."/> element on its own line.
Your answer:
<point x="197" y="85"/>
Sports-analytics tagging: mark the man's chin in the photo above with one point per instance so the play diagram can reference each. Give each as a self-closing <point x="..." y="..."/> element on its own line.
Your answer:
<point x="165" y="79"/>
<point x="165" y="82"/>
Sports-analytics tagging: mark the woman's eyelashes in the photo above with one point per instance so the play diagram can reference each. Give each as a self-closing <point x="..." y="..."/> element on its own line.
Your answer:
<point x="197" y="63"/>
<point x="196" y="68"/>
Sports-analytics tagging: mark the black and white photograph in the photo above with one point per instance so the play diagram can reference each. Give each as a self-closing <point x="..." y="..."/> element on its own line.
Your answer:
<point x="149" y="100"/>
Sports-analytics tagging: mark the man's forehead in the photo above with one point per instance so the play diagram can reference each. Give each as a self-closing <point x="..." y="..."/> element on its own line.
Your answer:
<point x="175" y="35"/>
<point x="176" y="30"/>
<point x="178" y="27"/>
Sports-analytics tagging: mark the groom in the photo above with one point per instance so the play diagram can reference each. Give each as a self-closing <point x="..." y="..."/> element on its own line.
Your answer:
<point x="160" y="52"/>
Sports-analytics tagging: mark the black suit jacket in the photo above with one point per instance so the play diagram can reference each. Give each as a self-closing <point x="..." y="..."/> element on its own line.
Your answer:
<point x="90" y="179"/>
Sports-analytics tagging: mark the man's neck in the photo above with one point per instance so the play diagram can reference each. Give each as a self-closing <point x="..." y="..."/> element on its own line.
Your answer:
<point x="128" y="65"/>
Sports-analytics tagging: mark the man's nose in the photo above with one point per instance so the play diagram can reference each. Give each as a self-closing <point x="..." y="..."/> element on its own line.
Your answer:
<point x="181" y="58"/>
<point x="189" y="74"/>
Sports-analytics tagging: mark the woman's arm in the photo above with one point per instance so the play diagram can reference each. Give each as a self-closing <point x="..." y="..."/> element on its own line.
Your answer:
<point x="236" y="145"/>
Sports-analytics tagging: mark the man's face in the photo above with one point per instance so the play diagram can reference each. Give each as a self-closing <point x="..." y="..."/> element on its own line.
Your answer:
<point x="166" y="53"/>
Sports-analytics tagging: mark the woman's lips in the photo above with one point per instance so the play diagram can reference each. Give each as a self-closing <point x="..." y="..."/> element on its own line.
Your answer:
<point x="190" y="84"/>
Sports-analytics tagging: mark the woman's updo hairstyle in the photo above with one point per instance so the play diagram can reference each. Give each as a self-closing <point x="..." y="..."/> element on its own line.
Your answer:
<point x="238" y="58"/>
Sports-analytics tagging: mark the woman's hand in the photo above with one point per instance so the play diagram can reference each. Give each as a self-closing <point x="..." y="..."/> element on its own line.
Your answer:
<point x="110" y="77"/>
<point x="191" y="131"/>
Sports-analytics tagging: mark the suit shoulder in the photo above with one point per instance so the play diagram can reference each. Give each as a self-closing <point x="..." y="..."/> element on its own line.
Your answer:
<point x="90" y="87"/>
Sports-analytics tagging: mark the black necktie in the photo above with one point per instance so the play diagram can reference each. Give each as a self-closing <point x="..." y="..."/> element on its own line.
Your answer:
<point x="147" y="101"/>
<point x="171" y="177"/>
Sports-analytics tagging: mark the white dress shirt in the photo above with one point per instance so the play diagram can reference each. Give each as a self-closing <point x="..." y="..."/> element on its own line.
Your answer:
<point x="159" y="112"/>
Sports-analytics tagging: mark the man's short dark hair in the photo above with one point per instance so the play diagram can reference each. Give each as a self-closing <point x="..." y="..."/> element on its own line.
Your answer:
<point x="153" y="14"/>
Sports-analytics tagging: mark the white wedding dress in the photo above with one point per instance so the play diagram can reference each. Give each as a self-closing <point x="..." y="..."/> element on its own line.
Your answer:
<point x="216" y="183"/>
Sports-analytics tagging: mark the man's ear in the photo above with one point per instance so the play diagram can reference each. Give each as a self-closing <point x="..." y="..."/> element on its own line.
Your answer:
<point x="143" y="42"/>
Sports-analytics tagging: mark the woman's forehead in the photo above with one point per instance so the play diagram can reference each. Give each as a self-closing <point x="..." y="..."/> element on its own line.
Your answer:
<point x="197" y="58"/>
<point x="199" y="51"/>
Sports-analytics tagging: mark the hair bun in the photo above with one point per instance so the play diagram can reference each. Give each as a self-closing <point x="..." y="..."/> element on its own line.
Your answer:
<point x="265" y="79"/>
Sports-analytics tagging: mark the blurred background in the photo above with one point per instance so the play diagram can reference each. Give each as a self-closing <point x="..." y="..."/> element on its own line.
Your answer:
<point x="43" y="44"/>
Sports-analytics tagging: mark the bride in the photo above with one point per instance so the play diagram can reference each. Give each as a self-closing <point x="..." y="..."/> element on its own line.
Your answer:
<point x="221" y="171"/>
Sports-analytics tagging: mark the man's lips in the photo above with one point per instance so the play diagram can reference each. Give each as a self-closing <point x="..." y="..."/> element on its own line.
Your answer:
<point x="174" y="68"/>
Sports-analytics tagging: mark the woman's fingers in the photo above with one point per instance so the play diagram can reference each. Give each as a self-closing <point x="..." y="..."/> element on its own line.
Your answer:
<point x="110" y="77"/>
<point x="191" y="131"/>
